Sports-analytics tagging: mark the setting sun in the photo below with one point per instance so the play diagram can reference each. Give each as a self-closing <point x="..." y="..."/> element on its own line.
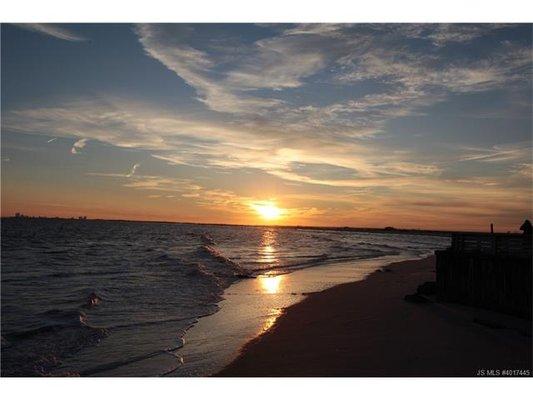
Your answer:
<point x="267" y="210"/>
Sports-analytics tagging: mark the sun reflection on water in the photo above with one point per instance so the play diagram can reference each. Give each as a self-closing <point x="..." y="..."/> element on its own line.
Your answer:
<point x="272" y="317"/>
<point x="267" y="250"/>
<point x="266" y="254"/>
<point x="270" y="284"/>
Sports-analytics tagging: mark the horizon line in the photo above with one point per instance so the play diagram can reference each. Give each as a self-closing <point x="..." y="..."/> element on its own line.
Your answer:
<point x="387" y="229"/>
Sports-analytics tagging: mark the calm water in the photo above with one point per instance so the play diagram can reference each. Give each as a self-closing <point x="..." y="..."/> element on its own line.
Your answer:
<point x="132" y="289"/>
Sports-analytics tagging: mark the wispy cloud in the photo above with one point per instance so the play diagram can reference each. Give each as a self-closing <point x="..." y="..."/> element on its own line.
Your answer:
<point x="78" y="145"/>
<point x="498" y="154"/>
<point x="272" y="149"/>
<point x="418" y="79"/>
<point x="266" y="64"/>
<point x="132" y="171"/>
<point x="251" y="81"/>
<point x="151" y="182"/>
<point x="525" y="170"/>
<point x="53" y="30"/>
<point x="442" y="34"/>
<point x="333" y="30"/>
<point x="162" y="42"/>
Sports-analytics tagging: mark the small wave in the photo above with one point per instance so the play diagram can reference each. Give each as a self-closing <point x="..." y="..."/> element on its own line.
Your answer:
<point x="216" y="255"/>
<point x="116" y="364"/>
<point x="171" y="351"/>
<point x="198" y="269"/>
<point x="56" y="251"/>
<point x="32" y="332"/>
<point x="72" y="317"/>
<point x="166" y="257"/>
<point x="192" y="318"/>
<point x="92" y="300"/>
<point x="38" y="351"/>
<point x="148" y="323"/>
<point x="65" y="275"/>
<point x="206" y="239"/>
<point x="318" y="260"/>
<point x="380" y="245"/>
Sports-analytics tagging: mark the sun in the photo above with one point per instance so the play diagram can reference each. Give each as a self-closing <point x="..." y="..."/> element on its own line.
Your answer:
<point x="267" y="210"/>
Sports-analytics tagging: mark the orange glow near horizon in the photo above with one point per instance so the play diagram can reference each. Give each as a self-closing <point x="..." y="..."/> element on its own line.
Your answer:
<point x="84" y="201"/>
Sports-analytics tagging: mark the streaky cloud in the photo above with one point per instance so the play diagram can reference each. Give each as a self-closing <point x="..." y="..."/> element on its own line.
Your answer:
<point x="132" y="171"/>
<point x="78" y="145"/>
<point x="54" y="31"/>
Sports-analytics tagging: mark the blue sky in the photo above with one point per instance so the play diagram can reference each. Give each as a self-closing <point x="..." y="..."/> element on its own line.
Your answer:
<point x="413" y="125"/>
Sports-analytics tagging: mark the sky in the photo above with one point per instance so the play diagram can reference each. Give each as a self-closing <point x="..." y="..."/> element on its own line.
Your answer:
<point x="424" y="126"/>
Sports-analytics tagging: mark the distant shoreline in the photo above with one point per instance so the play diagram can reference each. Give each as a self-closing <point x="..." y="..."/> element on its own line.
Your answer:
<point x="390" y="230"/>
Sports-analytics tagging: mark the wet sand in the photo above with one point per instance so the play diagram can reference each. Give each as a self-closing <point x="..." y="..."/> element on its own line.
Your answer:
<point x="251" y="306"/>
<point x="366" y="328"/>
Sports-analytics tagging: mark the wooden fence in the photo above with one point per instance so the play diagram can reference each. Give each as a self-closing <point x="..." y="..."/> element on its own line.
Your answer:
<point x="490" y="271"/>
<point x="493" y="244"/>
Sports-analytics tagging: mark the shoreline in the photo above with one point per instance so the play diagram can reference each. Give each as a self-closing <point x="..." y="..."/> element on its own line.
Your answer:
<point x="366" y="328"/>
<point x="251" y="306"/>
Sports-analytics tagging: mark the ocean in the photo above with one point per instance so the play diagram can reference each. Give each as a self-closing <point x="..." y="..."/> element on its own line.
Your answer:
<point x="118" y="298"/>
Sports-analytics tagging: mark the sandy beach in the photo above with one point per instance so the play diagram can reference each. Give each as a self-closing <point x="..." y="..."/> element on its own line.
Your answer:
<point x="367" y="329"/>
